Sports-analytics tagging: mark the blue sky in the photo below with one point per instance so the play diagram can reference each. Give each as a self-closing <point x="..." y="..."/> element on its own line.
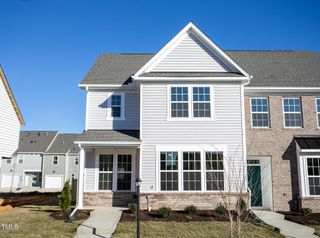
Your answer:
<point x="47" y="47"/>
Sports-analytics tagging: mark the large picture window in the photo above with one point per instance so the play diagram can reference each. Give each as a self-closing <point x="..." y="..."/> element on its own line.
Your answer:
<point x="214" y="171"/>
<point x="314" y="175"/>
<point x="105" y="172"/>
<point x="201" y="102"/>
<point x="318" y="111"/>
<point x="169" y="171"/>
<point x="191" y="171"/>
<point x="260" y="112"/>
<point x="179" y="102"/>
<point x="292" y="112"/>
<point x="124" y="170"/>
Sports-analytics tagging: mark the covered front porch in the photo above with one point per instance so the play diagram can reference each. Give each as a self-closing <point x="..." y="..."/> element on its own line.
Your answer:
<point x="108" y="167"/>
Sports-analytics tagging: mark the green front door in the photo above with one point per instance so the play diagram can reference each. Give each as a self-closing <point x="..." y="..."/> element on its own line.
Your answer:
<point x="254" y="183"/>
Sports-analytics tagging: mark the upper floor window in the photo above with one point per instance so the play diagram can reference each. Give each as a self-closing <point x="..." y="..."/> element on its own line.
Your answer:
<point x="9" y="161"/>
<point x="260" y="112"/>
<point x="179" y="102"/>
<point x="55" y="160"/>
<point x="116" y="105"/>
<point x="201" y="102"/>
<point x="314" y="175"/>
<point x="292" y="112"/>
<point x="76" y="161"/>
<point x="318" y="110"/>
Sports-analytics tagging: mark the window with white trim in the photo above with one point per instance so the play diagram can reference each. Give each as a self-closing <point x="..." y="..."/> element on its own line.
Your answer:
<point x="9" y="161"/>
<point x="214" y="171"/>
<point x="260" y="112"/>
<point x="105" y="171"/>
<point x="76" y="161"/>
<point x="201" y="102"/>
<point x="20" y="159"/>
<point x="116" y="105"/>
<point x="318" y="111"/>
<point x="314" y="175"/>
<point x="292" y="112"/>
<point x="169" y="171"/>
<point x="191" y="171"/>
<point x="179" y="102"/>
<point x="124" y="171"/>
<point x="55" y="160"/>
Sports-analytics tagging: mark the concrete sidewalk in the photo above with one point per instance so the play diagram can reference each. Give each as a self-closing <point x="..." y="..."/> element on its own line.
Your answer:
<point x="287" y="228"/>
<point x="101" y="223"/>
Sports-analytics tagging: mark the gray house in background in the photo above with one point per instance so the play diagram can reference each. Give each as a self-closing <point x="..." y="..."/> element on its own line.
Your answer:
<point x="44" y="159"/>
<point x="24" y="169"/>
<point x="61" y="161"/>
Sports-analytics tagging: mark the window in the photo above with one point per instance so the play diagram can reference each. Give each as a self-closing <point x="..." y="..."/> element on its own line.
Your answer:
<point x="124" y="172"/>
<point x="191" y="171"/>
<point x="55" y="160"/>
<point x="179" y="102"/>
<point x="314" y="175"/>
<point x="201" y="102"/>
<point x="214" y="171"/>
<point x="260" y="112"/>
<point x="105" y="172"/>
<point x="76" y="161"/>
<point x="9" y="161"/>
<point x="318" y="110"/>
<point x="73" y="176"/>
<point x="20" y="159"/>
<point x="292" y="112"/>
<point x="169" y="171"/>
<point x="116" y="105"/>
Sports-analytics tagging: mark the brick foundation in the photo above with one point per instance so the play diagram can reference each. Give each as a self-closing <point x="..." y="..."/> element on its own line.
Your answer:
<point x="107" y="199"/>
<point x="310" y="202"/>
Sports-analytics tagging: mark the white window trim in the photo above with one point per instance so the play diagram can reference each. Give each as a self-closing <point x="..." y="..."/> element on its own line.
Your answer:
<point x="76" y="161"/>
<point x="164" y="171"/>
<point x="305" y="178"/>
<point x="283" y="113"/>
<point x="190" y="103"/>
<point x="193" y="171"/>
<point x="317" y="112"/>
<point x="122" y="107"/>
<point x="268" y="113"/>
<point x="212" y="170"/>
<point x="53" y="157"/>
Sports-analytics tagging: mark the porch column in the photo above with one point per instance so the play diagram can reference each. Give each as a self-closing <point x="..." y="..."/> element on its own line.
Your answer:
<point x="80" y="178"/>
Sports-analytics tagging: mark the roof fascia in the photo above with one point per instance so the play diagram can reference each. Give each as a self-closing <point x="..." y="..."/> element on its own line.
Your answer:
<point x="107" y="86"/>
<point x="282" y="89"/>
<point x="214" y="79"/>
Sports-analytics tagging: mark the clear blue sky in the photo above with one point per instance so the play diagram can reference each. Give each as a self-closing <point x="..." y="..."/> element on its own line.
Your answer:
<point x="47" y="47"/>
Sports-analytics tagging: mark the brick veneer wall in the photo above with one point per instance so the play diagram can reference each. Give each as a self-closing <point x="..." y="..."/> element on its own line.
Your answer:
<point x="107" y="199"/>
<point x="310" y="202"/>
<point x="277" y="142"/>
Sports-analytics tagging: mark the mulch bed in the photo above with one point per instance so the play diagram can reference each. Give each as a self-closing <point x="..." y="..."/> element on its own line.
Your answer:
<point x="80" y="215"/>
<point x="310" y="219"/>
<point x="32" y="198"/>
<point x="181" y="216"/>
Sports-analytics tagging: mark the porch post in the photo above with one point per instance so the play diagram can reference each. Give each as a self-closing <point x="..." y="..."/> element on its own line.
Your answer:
<point x="80" y="178"/>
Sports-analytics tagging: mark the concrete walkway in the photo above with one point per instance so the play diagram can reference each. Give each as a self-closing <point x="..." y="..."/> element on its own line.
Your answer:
<point x="101" y="223"/>
<point x="287" y="228"/>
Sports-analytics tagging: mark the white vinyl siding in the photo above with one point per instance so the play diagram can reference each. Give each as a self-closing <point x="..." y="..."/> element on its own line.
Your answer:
<point x="99" y="113"/>
<point x="190" y="55"/>
<point x="225" y="129"/>
<point x="292" y="112"/>
<point x="9" y="125"/>
<point x="259" y="112"/>
<point x="318" y="111"/>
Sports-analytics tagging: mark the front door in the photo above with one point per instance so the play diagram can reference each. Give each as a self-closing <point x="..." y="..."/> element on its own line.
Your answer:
<point x="254" y="182"/>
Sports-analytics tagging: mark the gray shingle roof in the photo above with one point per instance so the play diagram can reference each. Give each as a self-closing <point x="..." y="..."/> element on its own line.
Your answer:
<point x="64" y="143"/>
<point x="35" y="141"/>
<point x="269" y="68"/>
<point x="110" y="136"/>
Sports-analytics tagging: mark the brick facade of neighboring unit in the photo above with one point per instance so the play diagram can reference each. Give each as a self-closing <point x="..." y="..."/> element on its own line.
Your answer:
<point x="310" y="202"/>
<point x="278" y="143"/>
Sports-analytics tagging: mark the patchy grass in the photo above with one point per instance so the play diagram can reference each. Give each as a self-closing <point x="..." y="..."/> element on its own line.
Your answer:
<point x="215" y="229"/>
<point x="35" y="221"/>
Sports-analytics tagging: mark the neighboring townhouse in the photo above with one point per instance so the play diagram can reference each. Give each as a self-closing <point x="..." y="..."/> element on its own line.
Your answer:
<point x="10" y="120"/>
<point x="193" y="120"/>
<point x="24" y="169"/>
<point x="61" y="161"/>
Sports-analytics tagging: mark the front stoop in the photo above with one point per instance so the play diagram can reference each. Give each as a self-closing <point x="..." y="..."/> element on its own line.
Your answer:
<point x="101" y="223"/>
<point x="287" y="228"/>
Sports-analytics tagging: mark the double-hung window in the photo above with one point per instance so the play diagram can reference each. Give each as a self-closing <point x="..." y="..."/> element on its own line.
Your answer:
<point x="179" y="102"/>
<point x="314" y="175"/>
<point x="318" y="111"/>
<point x="191" y="171"/>
<point x="55" y="160"/>
<point x="260" y="112"/>
<point x="105" y="172"/>
<point x="214" y="171"/>
<point x="292" y="112"/>
<point x="201" y="102"/>
<point x="124" y="171"/>
<point x="169" y="171"/>
<point x="116" y="105"/>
